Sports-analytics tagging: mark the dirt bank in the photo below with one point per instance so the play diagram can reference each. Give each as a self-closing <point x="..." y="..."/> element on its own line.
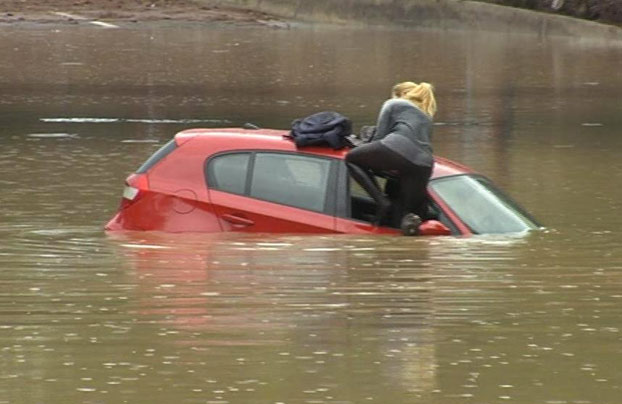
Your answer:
<point x="442" y="14"/>
<point x="430" y="14"/>
<point x="130" y="11"/>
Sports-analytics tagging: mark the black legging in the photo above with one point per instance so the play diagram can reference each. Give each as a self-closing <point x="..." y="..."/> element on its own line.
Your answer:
<point x="413" y="179"/>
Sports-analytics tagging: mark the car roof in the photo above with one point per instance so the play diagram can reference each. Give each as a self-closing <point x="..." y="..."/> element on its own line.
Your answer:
<point x="231" y="139"/>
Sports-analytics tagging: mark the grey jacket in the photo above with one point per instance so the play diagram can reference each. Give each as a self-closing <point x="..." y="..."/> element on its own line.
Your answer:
<point x="407" y="130"/>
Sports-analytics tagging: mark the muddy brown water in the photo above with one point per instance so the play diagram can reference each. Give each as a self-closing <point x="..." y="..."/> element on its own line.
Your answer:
<point x="87" y="317"/>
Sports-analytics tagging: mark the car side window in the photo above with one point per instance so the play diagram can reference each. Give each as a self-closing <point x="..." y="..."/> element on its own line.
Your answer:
<point x="228" y="172"/>
<point x="300" y="181"/>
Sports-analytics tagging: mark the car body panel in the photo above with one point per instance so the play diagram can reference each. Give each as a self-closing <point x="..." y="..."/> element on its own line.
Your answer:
<point x="241" y="213"/>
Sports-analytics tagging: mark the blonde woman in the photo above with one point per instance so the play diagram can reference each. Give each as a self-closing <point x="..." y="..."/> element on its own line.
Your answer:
<point x="401" y="144"/>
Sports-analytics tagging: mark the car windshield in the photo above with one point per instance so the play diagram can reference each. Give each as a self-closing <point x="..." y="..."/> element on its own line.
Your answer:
<point x="482" y="207"/>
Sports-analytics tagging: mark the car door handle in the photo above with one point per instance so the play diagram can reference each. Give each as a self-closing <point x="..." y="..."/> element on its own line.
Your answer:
<point x="237" y="220"/>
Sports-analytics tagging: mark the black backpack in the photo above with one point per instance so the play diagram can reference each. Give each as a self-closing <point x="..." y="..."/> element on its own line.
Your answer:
<point x="320" y="129"/>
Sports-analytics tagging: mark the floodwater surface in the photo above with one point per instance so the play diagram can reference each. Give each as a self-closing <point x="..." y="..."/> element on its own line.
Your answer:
<point x="90" y="317"/>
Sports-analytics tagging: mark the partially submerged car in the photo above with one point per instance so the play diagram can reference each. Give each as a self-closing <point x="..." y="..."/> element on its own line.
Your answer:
<point x="257" y="180"/>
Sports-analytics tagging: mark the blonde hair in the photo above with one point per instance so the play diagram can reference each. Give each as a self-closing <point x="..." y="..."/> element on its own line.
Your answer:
<point x="400" y="88"/>
<point x="422" y="95"/>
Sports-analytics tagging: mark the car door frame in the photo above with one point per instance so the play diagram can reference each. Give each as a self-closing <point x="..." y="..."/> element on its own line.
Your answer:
<point x="346" y="224"/>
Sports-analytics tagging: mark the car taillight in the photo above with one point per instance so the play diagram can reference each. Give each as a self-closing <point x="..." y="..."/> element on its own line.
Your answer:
<point x="135" y="187"/>
<point x="130" y="194"/>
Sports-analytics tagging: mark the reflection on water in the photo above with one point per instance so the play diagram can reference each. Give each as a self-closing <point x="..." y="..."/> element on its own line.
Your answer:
<point x="142" y="317"/>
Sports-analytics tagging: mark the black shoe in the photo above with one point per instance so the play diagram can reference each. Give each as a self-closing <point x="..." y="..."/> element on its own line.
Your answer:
<point x="410" y="224"/>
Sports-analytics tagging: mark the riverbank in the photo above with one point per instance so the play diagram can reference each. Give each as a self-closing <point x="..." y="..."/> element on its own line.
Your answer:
<point x="128" y="11"/>
<point x="433" y="14"/>
<point x="483" y="15"/>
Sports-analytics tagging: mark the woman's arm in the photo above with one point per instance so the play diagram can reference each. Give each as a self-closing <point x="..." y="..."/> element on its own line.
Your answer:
<point x="383" y="125"/>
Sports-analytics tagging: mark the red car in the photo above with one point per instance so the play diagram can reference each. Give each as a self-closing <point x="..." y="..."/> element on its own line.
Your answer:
<point x="257" y="180"/>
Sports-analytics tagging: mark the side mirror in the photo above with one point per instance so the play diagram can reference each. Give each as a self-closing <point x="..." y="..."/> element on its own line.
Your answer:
<point x="433" y="228"/>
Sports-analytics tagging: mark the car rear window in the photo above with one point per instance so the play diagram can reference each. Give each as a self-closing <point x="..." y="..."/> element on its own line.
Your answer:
<point x="157" y="156"/>
<point x="229" y="172"/>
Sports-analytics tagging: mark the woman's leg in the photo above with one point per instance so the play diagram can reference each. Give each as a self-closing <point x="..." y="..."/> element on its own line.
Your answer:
<point x="374" y="156"/>
<point x="413" y="179"/>
<point x="414" y="192"/>
<point x="383" y="204"/>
